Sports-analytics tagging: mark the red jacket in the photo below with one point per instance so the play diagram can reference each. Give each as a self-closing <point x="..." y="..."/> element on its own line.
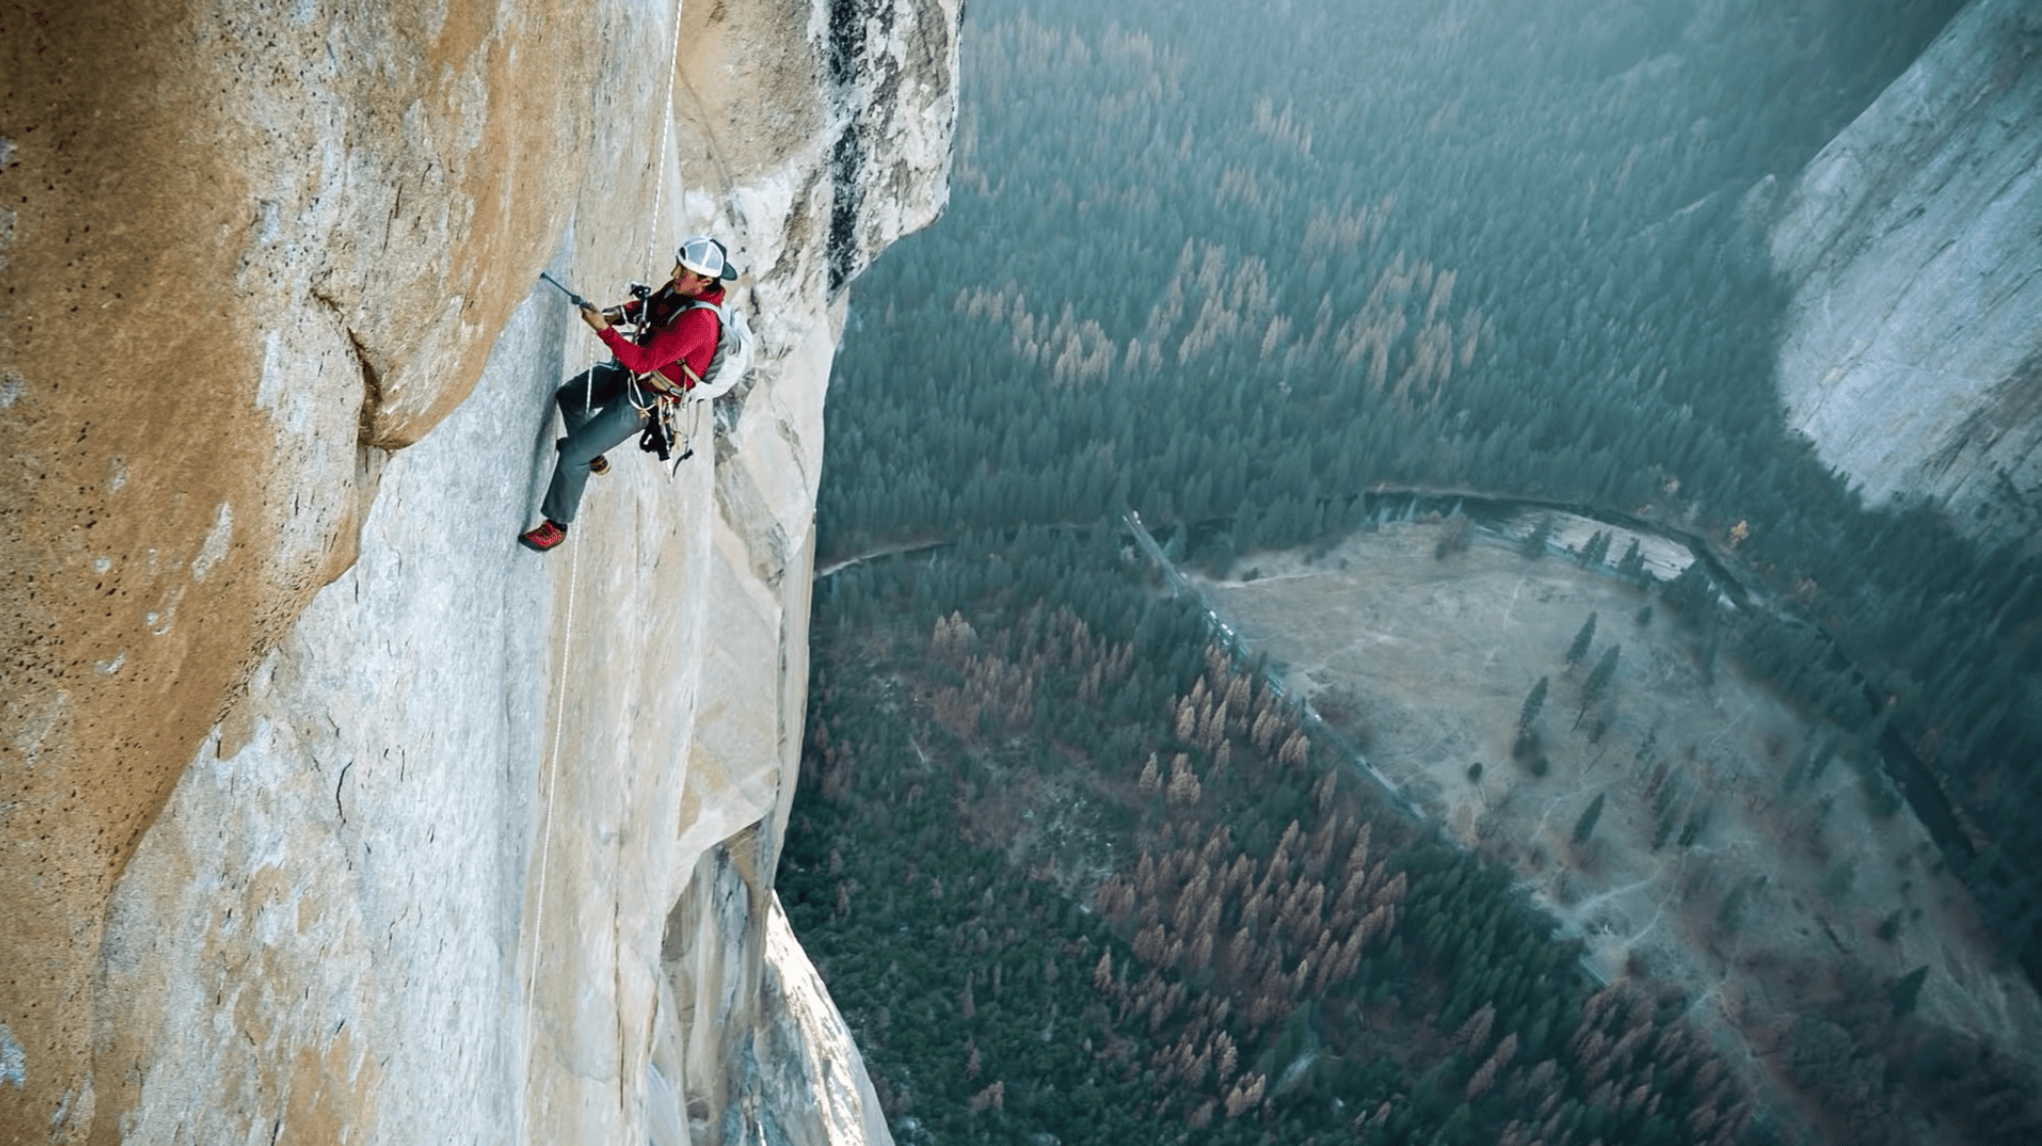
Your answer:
<point x="690" y="339"/>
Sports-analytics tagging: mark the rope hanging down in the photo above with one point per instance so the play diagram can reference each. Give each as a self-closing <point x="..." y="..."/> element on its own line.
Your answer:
<point x="666" y="132"/>
<point x="567" y="638"/>
<point x="546" y="794"/>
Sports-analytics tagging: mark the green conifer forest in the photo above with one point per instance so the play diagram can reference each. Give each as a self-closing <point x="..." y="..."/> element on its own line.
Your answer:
<point x="1070" y="863"/>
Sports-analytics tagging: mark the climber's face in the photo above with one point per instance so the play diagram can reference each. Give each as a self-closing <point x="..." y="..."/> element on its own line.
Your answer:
<point x="690" y="284"/>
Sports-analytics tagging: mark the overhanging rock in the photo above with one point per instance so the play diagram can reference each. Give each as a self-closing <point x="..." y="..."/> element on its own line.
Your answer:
<point x="329" y="813"/>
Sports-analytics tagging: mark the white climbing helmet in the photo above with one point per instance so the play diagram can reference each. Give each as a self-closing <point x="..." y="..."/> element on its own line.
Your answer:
<point x="706" y="256"/>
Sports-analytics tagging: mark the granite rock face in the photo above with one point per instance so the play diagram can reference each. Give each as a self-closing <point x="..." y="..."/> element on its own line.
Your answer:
<point x="326" y="812"/>
<point x="1914" y="242"/>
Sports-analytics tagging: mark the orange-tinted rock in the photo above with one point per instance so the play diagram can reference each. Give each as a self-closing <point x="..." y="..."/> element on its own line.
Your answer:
<point x="254" y="258"/>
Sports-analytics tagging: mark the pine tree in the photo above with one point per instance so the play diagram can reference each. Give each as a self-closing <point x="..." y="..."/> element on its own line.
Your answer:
<point x="1151" y="777"/>
<point x="1692" y="594"/>
<point x="1585" y="826"/>
<point x="1533" y="701"/>
<point x="1583" y="640"/>
<point x="1598" y="681"/>
<point x="1597" y="548"/>
<point x="1632" y="564"/>
<point x="1473" y="1036"/>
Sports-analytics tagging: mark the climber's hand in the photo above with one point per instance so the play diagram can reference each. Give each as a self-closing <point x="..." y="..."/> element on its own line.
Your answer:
<point x="594" y="318"/>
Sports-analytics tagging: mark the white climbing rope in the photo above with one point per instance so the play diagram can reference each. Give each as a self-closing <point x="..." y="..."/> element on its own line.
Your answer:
<point x="666" y="132"/>
<point x="546" y="807"/>
<point x="567" y="638"/>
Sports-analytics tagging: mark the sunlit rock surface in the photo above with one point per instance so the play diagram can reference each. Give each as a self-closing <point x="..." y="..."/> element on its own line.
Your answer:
<point x="326" y="812"/>
<point x="1914" y="241"/>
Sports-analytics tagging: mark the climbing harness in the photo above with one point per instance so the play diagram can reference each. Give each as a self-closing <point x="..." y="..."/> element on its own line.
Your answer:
<point x="668" y="411"/>
<point x="659" y="409"/>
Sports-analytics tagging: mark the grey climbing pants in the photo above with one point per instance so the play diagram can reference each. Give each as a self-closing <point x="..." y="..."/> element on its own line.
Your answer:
<point x="596" y="408"/>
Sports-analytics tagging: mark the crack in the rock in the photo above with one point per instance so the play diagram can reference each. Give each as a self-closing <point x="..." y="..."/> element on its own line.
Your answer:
<point x="372" y="380"/>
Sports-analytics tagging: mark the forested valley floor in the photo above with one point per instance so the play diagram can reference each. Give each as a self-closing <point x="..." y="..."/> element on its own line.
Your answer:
<point x="1100" y="883"/>
<point x="1234" y="275"/>
<point x="1071" y="869"/>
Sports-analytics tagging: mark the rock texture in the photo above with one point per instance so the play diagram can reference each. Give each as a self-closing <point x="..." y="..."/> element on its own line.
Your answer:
<point x="327" y="814"/>
<point x="1914" y="240"/>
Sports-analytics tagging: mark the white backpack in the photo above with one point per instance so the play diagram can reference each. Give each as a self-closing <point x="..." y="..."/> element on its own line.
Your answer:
<point x="727" y="367"/>
<point x="733" y="357"/>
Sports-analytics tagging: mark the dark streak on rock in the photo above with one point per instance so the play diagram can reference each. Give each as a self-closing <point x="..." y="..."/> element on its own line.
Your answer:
<point x="842" y="251"/>
<point x="336" y="791"/>
<point x="858" y="89"/>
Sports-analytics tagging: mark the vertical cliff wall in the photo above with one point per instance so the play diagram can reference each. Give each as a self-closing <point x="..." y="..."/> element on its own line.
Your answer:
<point x="326" y="813"/>
<point x="1914" y="240"/>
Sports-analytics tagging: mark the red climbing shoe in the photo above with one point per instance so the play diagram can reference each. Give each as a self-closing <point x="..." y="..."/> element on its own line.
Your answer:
<point x="544" y="537"/>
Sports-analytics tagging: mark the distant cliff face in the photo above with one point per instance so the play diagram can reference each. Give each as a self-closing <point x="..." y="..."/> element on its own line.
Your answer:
<point x="326" y="813"/>
<point x="1914" y="355"/>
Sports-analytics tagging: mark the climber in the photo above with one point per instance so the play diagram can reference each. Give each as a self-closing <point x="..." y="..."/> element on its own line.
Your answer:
<point x="613" y="400"/>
